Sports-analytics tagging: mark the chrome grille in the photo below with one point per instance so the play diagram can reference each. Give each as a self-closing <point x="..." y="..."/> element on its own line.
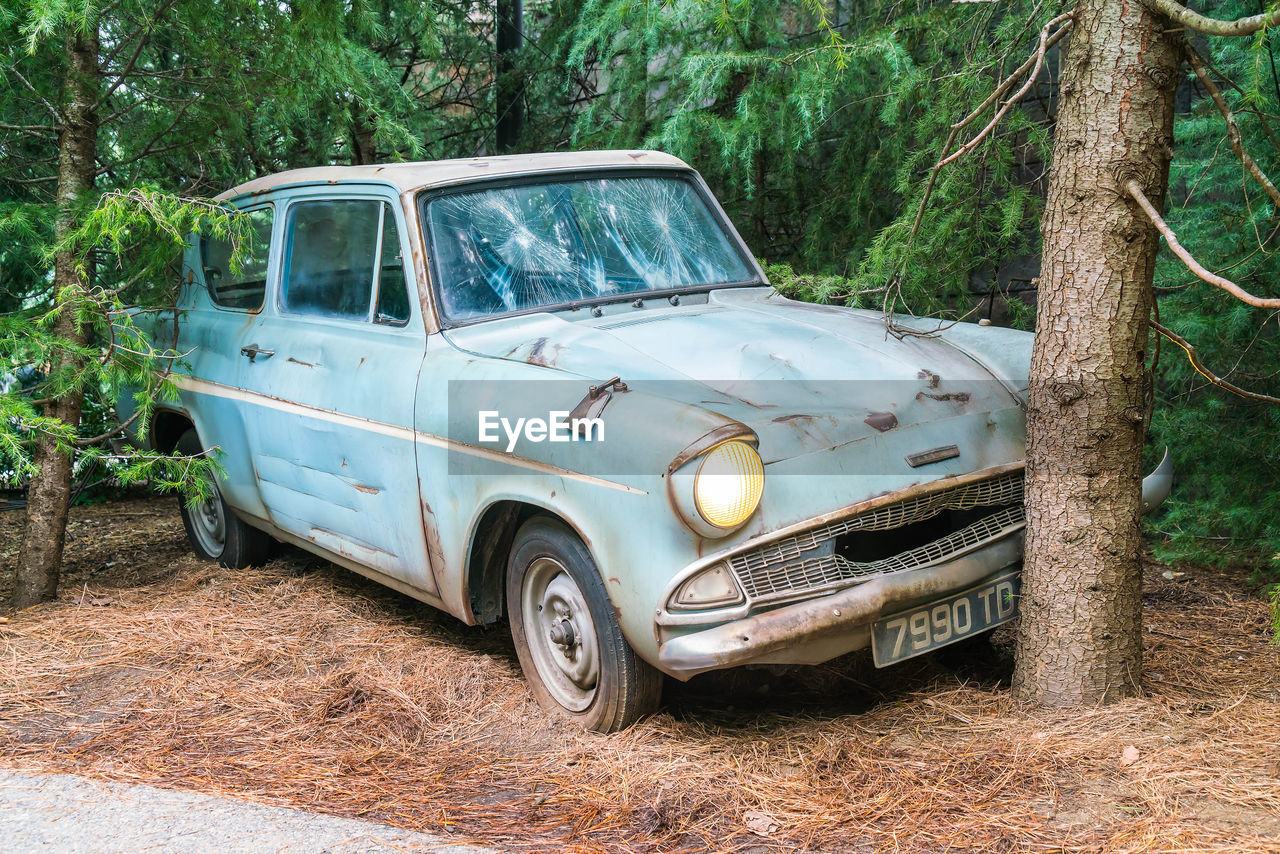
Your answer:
<point x="782" y="569"/>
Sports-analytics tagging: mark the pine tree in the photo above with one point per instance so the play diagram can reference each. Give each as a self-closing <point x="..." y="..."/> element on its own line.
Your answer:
<point x="151" y="103"/>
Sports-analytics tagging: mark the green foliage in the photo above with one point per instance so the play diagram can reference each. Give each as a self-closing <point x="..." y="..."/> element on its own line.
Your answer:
<point x="820" y="144"/>
<point x="1224" y="507"/>
<point x="1273" y="595"/>
<point x="815" y="123"/>
<point x="810" y="287"/>
<point x="816" y="131"/>
<point x="184" y="88"/>
<point x="141" y="231"/>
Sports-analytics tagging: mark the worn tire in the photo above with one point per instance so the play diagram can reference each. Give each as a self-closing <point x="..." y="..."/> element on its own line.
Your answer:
<point x="549" y="569"/>
<point x="213" y="528"/>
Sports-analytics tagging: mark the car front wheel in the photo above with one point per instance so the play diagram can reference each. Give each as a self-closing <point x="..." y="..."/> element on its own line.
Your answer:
<point x="213" y="528"/>
<point x="571" y="648"/>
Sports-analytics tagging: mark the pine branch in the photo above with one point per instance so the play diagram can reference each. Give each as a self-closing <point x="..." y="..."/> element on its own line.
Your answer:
<point x="143" y="37"/>
<point x="1033" y="64"/>
<point x="1233" y="129"/>
<point x="53" y="111"/>
<point x="1031" y="70"/>
<point x="1212" y="26"/>
<point x="1186" y="257"/>
<point x="1205" y="372"/>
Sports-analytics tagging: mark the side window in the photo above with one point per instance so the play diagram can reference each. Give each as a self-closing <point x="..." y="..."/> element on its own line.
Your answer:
<point x="393" y="294"/>
<point x="244" y="287"/>
<point x="330" y="252"/>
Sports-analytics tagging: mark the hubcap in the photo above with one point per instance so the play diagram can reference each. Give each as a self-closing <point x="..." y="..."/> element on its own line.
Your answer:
<point x="209" y="524"/>
<point x="560" y="633"/>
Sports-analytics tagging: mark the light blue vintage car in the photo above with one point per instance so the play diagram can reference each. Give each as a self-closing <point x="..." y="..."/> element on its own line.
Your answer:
<point x="557" y="389"/>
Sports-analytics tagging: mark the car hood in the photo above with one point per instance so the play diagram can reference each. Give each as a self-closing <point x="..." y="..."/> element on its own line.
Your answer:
<point x="804" y="377"/>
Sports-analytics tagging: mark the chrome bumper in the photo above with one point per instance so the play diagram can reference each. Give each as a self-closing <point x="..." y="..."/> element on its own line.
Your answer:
<point x="758" y="636"/>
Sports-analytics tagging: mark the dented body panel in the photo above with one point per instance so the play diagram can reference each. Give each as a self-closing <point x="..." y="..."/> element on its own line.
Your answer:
<point x="360" y="440"/>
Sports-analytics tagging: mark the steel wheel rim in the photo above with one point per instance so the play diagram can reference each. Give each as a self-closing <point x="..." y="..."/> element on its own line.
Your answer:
<point x="209" y="522"/>
<point x="560" y="634"/>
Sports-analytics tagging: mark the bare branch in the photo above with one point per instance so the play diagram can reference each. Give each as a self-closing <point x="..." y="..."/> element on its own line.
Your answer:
<point x="34" y="130"/>
<point x="1033" y="65"/>
<point x="47" y="179"/>
<point x="149" y="148"/>
<point x="1192" y="264"/>
<point x="1205" y="372"/>
<point x="53" y="111"/>
<point x="893" y="291"/>
<point x="1233" y="129"/>
<point x="144" y="36"/>
<point x="1212" y="26"/>
<point x="119" y="428"/>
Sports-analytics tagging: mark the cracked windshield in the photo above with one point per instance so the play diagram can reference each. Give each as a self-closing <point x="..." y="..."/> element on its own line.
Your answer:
<point x="524" y="247"/>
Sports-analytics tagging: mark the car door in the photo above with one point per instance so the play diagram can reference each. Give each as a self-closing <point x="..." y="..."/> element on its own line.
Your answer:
<point x="332" y="364"/>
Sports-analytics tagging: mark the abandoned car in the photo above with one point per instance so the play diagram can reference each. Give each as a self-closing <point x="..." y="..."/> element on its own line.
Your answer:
<point x="558" y="390"/>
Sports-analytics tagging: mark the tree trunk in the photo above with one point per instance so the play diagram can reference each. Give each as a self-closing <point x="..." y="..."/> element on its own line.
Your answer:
<point x="509" y="99"/>
<point x="1079" y="640"/>
<point x="49" y="494"/>
<point x="364" y="150"/>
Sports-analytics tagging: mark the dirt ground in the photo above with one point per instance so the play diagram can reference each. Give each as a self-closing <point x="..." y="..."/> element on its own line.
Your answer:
<point x="301" y="684"/>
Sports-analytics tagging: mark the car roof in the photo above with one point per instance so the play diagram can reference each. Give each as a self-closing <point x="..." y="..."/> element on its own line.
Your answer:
<point x="430" y="173"/>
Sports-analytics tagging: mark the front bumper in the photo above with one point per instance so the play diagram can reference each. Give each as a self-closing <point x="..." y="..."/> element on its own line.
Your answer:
<point x="818" y="629"/>
<point x="833" y="624"/>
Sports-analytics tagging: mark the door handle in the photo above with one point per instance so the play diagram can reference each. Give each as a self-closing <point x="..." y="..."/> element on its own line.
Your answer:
<point x="253" y="351"/>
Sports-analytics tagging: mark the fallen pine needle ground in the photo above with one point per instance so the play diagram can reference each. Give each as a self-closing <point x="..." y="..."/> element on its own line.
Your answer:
<point x="300" y="684"/>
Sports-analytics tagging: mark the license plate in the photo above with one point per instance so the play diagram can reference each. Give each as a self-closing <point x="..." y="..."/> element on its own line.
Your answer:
<point x="945" y="621"/>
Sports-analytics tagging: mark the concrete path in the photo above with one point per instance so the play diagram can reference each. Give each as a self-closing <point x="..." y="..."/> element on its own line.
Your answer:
<point x="65" y="813"/>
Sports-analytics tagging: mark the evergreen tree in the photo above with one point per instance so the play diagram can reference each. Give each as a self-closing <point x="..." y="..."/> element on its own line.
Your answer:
<point x="114" y="118"/>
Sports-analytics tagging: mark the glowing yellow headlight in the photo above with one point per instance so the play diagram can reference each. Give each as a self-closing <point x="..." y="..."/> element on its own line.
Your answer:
<point x="728" y="485"/>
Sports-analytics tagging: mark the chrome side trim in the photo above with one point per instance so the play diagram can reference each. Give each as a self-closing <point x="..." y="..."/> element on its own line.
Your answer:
<point x="199" y="386"/>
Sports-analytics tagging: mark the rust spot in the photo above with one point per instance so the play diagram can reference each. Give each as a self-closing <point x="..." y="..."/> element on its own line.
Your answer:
<point x="613" y="579"/>
<point x="361" y="362"/>
<point x="537" y="356"/>
<point x="956" y="396"/>
<point x="300" y="362"/>
<point x="370" y="490"/>
<point x="435" y="551"/>
<point x="882" y="421"/>
<point x="933" y="378"/>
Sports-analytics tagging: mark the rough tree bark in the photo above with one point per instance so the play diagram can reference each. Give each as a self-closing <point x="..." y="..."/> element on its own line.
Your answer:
<point x="49" y="493"/>
<point x="1079" y="639"/>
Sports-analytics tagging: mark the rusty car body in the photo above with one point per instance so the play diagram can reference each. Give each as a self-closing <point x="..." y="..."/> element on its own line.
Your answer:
<point x="774" y="482"/>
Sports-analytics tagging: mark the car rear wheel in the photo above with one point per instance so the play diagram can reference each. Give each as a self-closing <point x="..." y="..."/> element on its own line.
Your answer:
<point x="571" y="648"/>
<point x="214" y="530"/>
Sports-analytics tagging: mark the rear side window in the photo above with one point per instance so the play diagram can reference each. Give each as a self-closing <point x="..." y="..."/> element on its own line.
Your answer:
<point x="343" y="260"/>
<point x="242" y="287"/>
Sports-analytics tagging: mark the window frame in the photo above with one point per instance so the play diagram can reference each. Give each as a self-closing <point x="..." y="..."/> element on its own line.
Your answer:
<point x="686" y="174"/>
<point x="271" y="261"/>
<point x="385" y="206"/>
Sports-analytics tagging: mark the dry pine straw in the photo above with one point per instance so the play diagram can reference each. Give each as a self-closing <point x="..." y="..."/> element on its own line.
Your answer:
<point x="299" y="684"/>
